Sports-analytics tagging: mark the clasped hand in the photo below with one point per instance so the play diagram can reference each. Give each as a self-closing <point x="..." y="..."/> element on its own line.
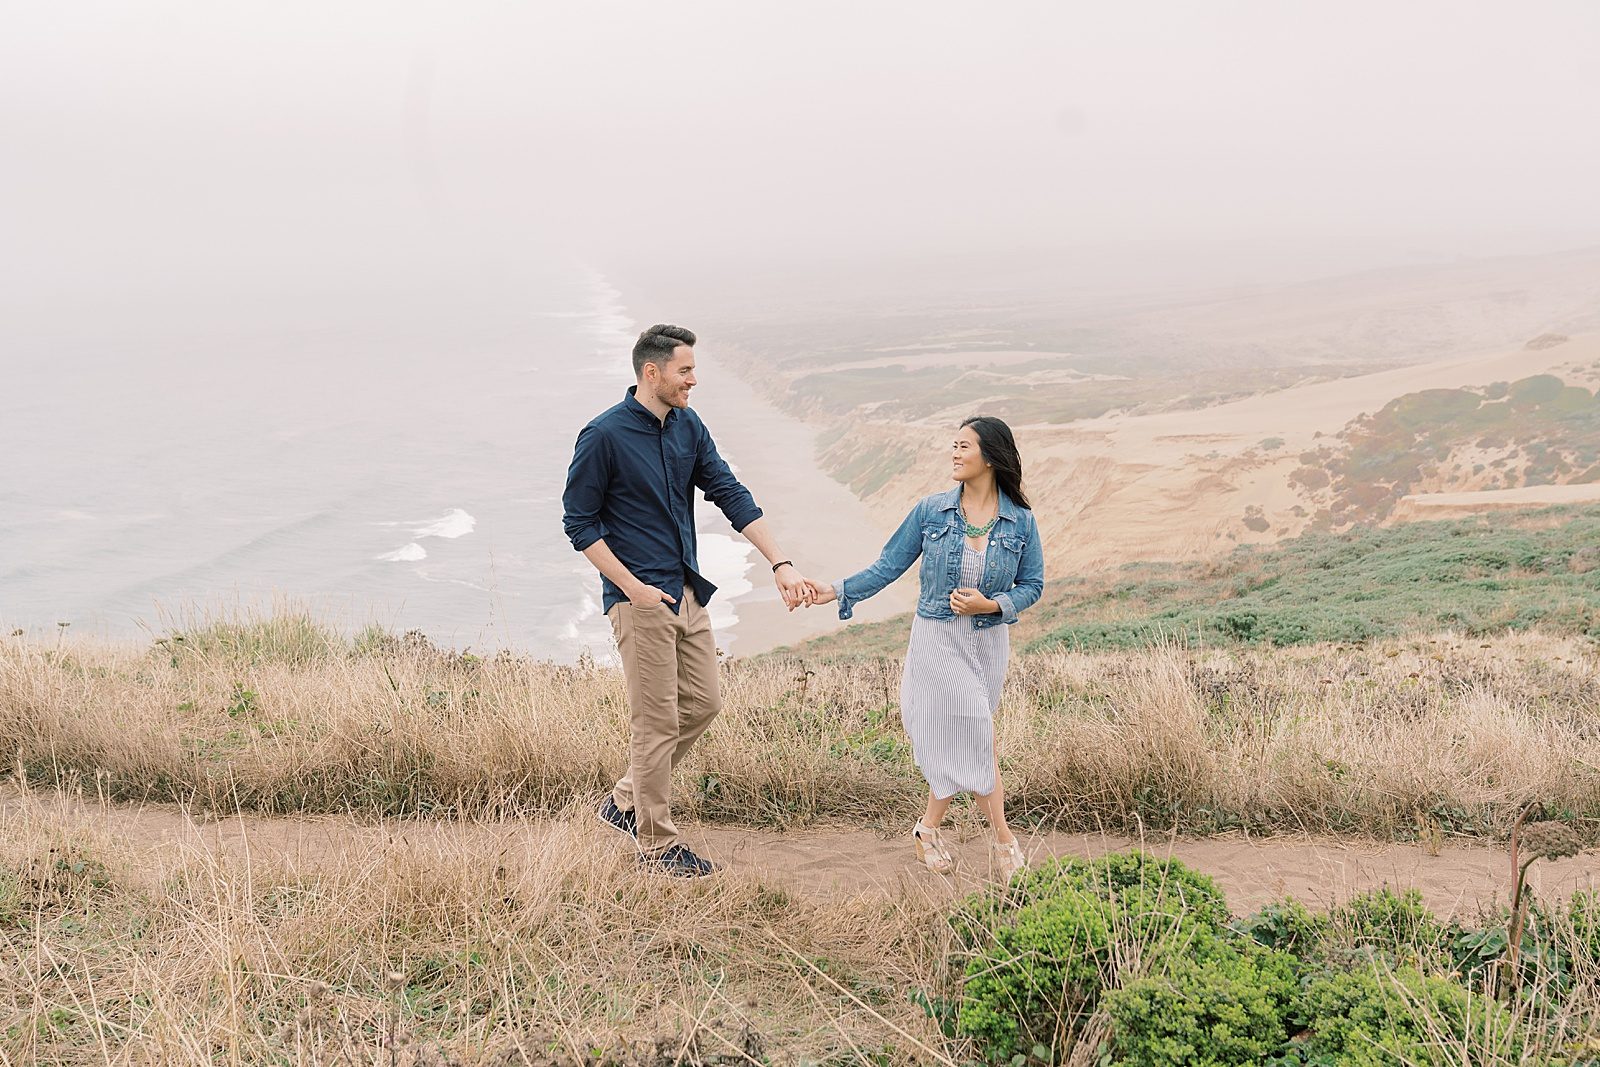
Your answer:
<point x="821" y="594"/>
<point x="795" y="589"/>
<point x="968" y="601"/>
<point x="963" y="601"/>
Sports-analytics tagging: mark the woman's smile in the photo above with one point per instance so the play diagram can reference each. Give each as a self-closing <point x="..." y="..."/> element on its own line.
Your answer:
<point x="966" y="456"/>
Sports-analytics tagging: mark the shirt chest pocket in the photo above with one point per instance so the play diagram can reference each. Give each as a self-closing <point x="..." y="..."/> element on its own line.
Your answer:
<point x="679" y="471"/>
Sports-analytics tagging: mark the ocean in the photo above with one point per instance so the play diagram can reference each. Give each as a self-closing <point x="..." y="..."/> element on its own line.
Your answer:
<point x="396" y="459"/>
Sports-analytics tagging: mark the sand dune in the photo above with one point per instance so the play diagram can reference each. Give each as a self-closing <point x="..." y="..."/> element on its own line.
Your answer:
<point x="1177" y="484"/>
<point x="1451" y="505"/>
<point x="1300" y="413"/>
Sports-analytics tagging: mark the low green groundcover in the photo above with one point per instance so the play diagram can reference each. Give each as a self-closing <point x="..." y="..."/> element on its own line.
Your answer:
<point x="1142" y="955"/>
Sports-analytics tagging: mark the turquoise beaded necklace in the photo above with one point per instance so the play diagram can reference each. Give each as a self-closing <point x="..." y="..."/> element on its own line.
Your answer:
<point x="978" y="531"/>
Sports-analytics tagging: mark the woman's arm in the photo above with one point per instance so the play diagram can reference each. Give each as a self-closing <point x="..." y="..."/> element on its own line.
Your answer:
<point x="902" y="550"/>
<point x="1029" y="585"/>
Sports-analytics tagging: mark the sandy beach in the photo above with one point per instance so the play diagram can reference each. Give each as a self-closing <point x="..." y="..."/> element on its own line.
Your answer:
<point x="818" y="522"/>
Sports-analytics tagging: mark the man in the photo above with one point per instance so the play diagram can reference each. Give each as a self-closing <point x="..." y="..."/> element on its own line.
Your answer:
<point x="629" y="508"/>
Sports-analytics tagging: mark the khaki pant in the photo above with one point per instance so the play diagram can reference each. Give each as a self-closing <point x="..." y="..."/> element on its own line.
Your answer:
<point x="670" y="661"/>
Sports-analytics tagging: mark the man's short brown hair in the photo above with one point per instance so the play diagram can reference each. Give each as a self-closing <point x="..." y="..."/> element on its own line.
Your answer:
<point x="657" y="344"/>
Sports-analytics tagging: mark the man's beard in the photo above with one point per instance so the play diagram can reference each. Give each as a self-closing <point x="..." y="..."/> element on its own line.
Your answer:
<point x="666" y="396"/>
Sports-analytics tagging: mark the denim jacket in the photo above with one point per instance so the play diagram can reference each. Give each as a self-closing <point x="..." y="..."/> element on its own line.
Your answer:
<point x="1013" y="574"/>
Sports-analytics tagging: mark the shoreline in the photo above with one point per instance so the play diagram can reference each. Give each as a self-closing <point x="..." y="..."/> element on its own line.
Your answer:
<point x="817" y="521"/>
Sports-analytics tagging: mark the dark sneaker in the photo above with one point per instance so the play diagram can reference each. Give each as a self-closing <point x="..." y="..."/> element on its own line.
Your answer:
<point x="625" y="822"/>
<point x="677" y="861"/>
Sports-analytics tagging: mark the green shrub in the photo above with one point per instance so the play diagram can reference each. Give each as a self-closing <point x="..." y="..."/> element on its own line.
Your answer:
<point x="1151" y="945"/>
<point x="1367" y="1019"/>
<point x="1040" y="975"/>
<point x="1382" y="922"/>
<point x="1286" y="926"/>
<point x="1539" y="389"/>
<point x="1040" y="953"/>
<point x="1545" y="960"/>
<point x="1114" y="874"/>
<point x="1227" y="1008"/>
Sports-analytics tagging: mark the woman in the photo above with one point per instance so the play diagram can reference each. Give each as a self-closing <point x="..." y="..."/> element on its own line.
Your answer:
<point x="981" y="565"/>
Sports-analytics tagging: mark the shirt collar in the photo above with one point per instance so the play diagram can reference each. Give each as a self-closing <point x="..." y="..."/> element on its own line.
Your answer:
<point x="632" y="403"/>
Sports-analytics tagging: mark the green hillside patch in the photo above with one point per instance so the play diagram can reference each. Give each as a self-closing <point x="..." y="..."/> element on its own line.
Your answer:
<point x="1540" y="570"/>
<point x="1545" y="432"/>
<point x="1509" y="572"/>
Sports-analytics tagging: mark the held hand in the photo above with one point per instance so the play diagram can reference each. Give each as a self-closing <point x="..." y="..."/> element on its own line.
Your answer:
<point x="968" y="601"/>
<point x="793" y="587"/>
<point x="821" y="594"/>
<point x="648" y="596"/>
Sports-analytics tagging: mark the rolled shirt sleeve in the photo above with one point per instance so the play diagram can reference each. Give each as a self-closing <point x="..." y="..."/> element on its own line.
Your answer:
<point x="715" y="478"/>
<point x="586" y="489"/>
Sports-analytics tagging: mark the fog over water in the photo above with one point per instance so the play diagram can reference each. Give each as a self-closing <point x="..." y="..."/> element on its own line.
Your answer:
<point x="311" y="298"/>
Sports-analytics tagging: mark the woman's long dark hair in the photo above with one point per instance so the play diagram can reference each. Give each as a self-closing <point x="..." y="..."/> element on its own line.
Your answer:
<point x="999" y="448"/>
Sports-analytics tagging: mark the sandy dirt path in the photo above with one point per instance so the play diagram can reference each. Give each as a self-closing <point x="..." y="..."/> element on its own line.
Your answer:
<point x="827" y="861"/>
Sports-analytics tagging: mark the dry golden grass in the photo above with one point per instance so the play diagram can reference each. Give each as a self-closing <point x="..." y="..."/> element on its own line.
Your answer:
<point x="454" y="950"/>
<point x="277" y="714"/>
<point x="451" y="951"/>
<point x="114" y="953"/>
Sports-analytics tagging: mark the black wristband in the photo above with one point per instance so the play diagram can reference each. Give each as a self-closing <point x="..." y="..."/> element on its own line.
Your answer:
<point x="782" y="563"/>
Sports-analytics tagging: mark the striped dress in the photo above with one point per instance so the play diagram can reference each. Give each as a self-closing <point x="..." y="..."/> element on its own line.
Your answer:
<point x="949" y="693"/>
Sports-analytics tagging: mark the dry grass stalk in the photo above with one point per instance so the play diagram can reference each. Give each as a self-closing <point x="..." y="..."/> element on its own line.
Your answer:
<point x="183" y="954"/>
<point x="285" y="717"/>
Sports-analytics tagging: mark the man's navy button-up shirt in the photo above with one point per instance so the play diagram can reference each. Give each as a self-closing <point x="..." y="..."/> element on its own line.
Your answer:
<point x="632" y="482"/>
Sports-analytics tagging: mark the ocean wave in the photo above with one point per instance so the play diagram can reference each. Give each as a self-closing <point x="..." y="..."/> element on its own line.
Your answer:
<point x="609" y="326"/>
<point x="586" y="611"/>
<point x="425" y="576"/>
<point x="588" y="631"/>
<point x="455" y="523"/>
<point x="726" y="562"/>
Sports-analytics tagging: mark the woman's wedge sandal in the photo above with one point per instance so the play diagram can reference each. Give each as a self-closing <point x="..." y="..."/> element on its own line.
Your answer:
<point x="931" y="852"/>
<point x="1008" y="859"/>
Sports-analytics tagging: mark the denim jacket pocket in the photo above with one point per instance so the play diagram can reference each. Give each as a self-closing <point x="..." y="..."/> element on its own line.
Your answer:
<point x="936" y="541"/>
<point x="1006" y="554"/>
<point x="1011" y="542"/>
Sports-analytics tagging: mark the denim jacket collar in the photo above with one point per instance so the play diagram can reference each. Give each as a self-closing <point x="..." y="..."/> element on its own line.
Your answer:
<point x="951" y="501"/>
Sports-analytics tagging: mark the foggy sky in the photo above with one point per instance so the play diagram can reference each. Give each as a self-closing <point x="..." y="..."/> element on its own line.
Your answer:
<point x="152" y="149"/>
